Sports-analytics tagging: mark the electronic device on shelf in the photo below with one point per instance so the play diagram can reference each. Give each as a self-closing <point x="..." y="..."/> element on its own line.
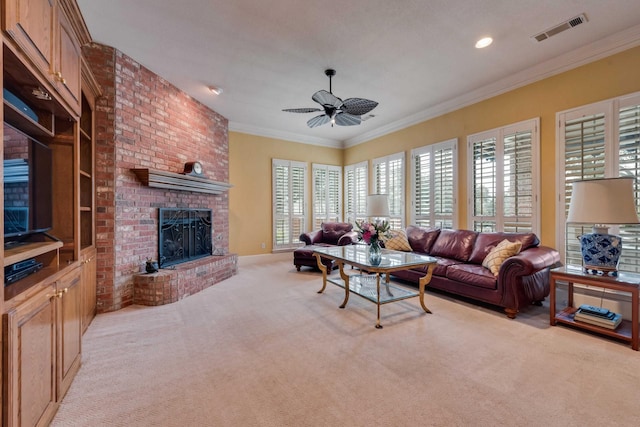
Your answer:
<point x="20" y="270"/>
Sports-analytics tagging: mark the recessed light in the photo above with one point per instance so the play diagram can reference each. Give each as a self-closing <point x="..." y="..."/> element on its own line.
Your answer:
<point x="484" y="42"/>
<point x="215" y="90"/>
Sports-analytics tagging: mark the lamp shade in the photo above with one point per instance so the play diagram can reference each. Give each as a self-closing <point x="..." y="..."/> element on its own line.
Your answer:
<point x="377" y="205"/>
<point x="603" y="201"/>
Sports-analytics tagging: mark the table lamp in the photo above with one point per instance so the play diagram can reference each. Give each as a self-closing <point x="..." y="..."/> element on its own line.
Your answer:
<point x="602" y="201"/>
<point x="377" y="206"/>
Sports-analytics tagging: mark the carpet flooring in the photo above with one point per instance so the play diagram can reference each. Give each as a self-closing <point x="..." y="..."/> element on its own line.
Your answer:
<point x="264" y="349"/>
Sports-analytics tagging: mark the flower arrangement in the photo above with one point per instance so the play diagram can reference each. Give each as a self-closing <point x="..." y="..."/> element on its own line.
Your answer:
<point x="373" y="232"/>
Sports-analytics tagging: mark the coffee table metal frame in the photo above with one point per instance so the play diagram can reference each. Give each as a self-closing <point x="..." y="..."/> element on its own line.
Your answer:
<point x="358" y="256"/>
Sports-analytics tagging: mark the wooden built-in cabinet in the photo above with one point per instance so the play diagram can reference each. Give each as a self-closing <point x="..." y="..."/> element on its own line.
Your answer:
<point x="45" y="314"/>
<point x="42" y="32"/>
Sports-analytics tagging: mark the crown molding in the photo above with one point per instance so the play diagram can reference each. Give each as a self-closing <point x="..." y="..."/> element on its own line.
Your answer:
<point x="600" y="49"/>
<point x="287" y="136"/>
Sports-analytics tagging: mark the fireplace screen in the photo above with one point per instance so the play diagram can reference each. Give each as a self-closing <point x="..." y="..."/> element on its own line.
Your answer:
<point x="184" y="235"/>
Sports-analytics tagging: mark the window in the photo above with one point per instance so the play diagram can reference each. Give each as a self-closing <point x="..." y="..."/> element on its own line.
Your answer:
<point x="503" y="178"/>
<point x="289" y="203"/>
<point x="355" y="192"/>
<point x="388" y="178"/>
<point x="433" y="184"/>
<point x="600" y="140"/>
<point x="327" y="194"/>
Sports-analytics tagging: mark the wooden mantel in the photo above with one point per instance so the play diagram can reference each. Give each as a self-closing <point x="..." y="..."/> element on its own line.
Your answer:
<point x="177" y="181"/>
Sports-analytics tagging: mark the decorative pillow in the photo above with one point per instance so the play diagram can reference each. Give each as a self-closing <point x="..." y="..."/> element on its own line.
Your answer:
<point x="398" y="241"/>
<point x="499" y="254"/>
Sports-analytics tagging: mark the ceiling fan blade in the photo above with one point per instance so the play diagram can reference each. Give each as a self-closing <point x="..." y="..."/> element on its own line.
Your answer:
<point x="358" y="106"/>
<point x="346" y="119"/>
<point x="301" y="110"/>
<point x="323" y="97"/>
<point x="318" y="121"/>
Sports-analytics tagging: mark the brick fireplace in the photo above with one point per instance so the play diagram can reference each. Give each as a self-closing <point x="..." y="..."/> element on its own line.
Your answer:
<point x="142" y="121"/>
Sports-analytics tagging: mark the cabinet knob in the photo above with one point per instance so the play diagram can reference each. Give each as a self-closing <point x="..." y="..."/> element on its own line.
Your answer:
<point x="62" y="292"/>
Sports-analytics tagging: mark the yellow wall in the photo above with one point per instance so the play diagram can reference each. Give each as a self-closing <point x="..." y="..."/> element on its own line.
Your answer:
<point x="250" y="208"/>
<point x="250" y="156"/>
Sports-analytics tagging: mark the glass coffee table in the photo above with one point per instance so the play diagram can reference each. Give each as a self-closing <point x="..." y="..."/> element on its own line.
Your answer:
<point x="367" y="283"/>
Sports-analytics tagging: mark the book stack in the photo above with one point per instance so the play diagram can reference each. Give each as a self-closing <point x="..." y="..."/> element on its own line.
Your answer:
<point x="598" y="316"/>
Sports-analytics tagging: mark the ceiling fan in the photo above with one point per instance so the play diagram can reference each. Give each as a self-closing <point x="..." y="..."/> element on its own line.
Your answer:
<point x="336" y="111"/>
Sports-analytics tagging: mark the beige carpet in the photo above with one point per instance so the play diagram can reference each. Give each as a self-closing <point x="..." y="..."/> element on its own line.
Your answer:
<point x="264" y="349"/>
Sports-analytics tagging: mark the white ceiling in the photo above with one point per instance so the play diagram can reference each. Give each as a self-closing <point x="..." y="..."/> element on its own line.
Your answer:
<point x="415" y="57"/>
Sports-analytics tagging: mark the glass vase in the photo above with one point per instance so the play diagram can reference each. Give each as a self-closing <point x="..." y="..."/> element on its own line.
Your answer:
<point x="375" y="253"/>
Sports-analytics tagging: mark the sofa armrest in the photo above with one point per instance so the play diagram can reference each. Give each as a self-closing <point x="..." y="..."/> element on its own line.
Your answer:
<point x="531" y="261"/>
<point x="525" y="277"/>
<point x="311" y="237"/>
<point x="348" y="238"/>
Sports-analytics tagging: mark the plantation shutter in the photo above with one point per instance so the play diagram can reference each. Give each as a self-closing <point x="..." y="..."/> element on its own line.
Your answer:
<point x="289" y="202"/>
<point x="518" y="203"/>
<point x="600" y="140"/>
<point x="389" y="179"/>
<point x="584" y="153"/>
<point x="433" y="185"/>
<point x="484" y="184"/>
<point x="356" y="190"/>
<point x="327" y="194"/>
<point x="629" y="165"/>
<point x="504" y="174"/>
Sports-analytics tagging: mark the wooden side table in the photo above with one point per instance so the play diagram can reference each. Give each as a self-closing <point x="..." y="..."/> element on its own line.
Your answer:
<point x="624" y="282"/>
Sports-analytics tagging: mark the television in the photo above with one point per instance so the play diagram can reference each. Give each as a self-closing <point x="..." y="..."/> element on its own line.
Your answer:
<point x="28" y="188"/>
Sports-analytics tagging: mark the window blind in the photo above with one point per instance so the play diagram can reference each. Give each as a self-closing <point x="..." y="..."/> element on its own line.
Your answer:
<point x="356" y="190"/>
<point x="504" y="175"/>
<point x="433" y="185"/>
<point x="327" y="194"/>
<point x="289" y="187"/>
<point x="389" y="179"/>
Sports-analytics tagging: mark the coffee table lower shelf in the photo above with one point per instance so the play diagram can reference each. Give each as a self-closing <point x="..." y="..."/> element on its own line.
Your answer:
<point x="365" y="287"/>
<point x="623" y="332"/>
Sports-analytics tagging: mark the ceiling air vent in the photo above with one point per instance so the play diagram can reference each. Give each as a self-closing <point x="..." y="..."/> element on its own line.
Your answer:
<point x="561" y="27"/>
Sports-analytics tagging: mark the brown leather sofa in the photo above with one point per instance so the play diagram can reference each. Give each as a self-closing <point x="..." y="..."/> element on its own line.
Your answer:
<point x="330" y="234"/>
<point x="522" y="279"/>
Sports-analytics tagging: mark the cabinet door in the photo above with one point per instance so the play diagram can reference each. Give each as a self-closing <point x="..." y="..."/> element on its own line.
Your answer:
<point x="31" y="23"/>
<point x="30" y="356"/>
<point x="88" y="288"/>
<point x="67" y="73"/>
<point x="70" y="330"/>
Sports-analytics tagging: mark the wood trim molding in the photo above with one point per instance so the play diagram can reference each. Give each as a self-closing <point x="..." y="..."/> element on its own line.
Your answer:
<point x="176" y="181"/>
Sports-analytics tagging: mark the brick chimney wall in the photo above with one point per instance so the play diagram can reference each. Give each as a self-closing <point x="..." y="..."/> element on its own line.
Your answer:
<point x="142" y="121"/>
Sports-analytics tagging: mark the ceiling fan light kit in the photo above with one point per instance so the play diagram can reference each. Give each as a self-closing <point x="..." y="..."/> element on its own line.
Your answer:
<point x="336" y="111"/>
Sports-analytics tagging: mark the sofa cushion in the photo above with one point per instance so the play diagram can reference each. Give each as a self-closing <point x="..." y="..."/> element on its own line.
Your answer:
<point x="487" y="241"/>
<point x="332" y="231"/>
<point x="472" y="274"/>
<point x="421" y="239"/>
<point x="454" y="244"/>
<point x="440" y="268"/>
<point x="398" y="241"/>
<point x="497" y="255"/>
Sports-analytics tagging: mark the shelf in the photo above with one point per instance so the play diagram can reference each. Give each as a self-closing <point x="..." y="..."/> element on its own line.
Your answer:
<point x="622" y="332"/>
<point x="176" y="181"/>
<point x="19" y="120"/>
<point x="29" y="250"/>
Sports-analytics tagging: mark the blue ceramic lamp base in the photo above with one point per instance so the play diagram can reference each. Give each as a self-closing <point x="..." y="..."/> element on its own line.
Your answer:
<point x="600" y="252"/>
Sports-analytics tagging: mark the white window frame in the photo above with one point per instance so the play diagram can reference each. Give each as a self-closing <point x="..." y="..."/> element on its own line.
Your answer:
<point x="434" y="219"/>
<point x="356" y="188"/>
<point x="296" y="221"/>
<point x="611" y="110"/>
<point x="323" y="208"/>
<point x="396" y="201"/>
<point x="532" y="125"/>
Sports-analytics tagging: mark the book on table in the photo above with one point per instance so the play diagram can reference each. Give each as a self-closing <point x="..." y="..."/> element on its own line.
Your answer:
<point x="598" y="316"/>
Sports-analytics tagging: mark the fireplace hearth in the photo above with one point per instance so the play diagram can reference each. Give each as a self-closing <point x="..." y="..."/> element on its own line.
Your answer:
<point x="184" y="235"/>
